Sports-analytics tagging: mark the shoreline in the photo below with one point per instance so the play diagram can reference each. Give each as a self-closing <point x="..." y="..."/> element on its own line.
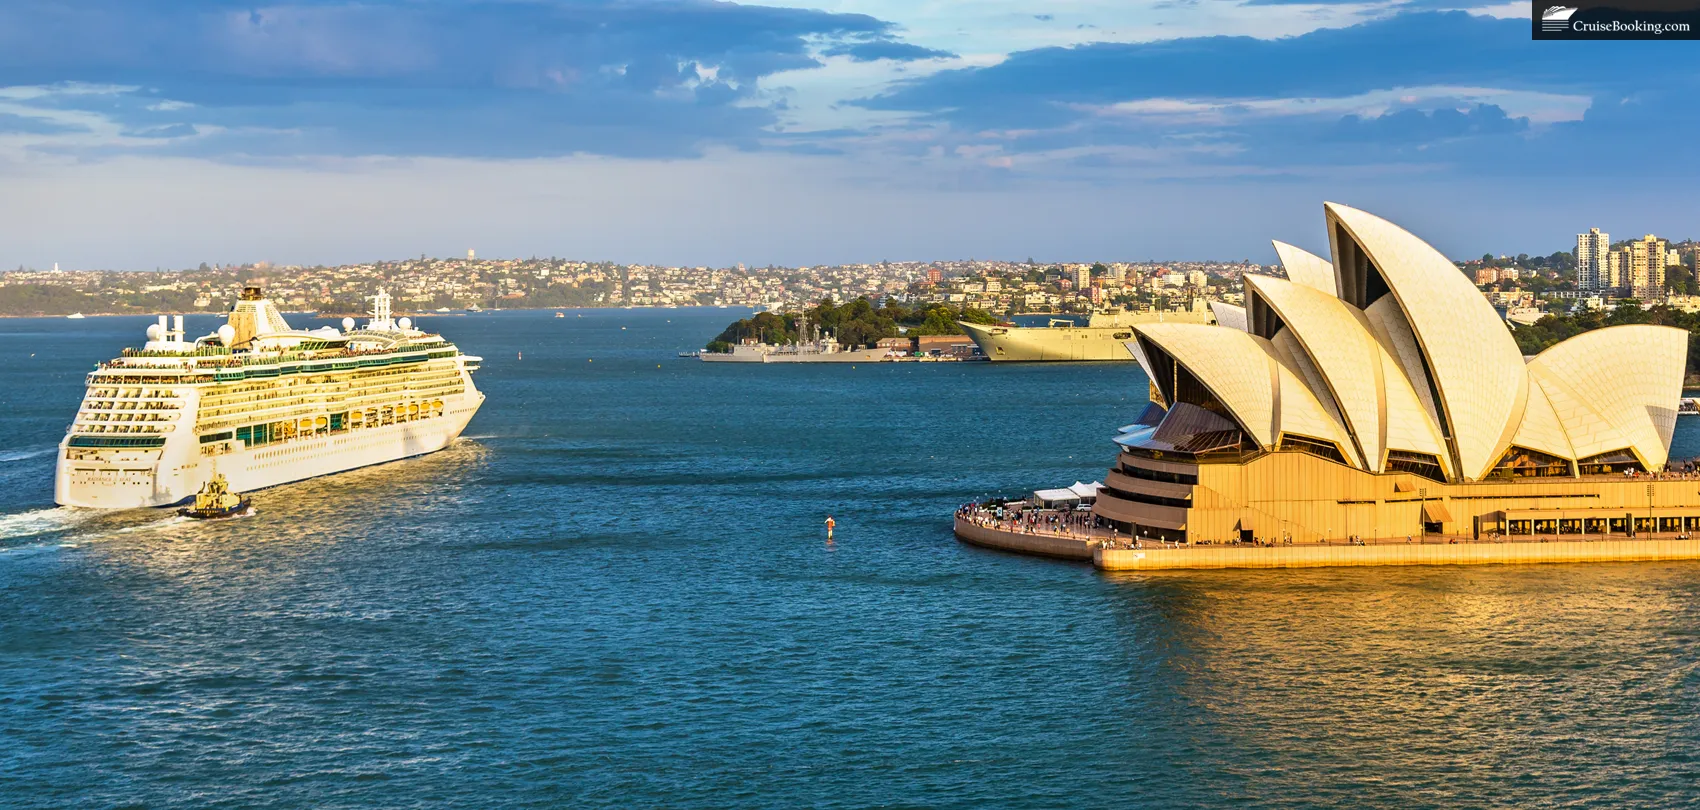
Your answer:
<point x="398" y="313"/>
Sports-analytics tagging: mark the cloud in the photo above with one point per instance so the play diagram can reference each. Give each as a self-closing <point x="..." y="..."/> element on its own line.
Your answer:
<point x="484" y="78"/>
<point x="887" y="49"/>
<point x="1417" y="126"/>
<point x="167" y="131"/>
<point x="1403" y="50"/>
<point x="13" y="124"/>
<point x="1267" y="104"/>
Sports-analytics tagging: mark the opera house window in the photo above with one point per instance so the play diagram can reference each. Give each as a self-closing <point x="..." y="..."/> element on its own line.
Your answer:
<point x="1614" y="462"/>
<point x="1521" y="462"/>
<point x="1423" y="464"/>
<point x="1315" y="447"/>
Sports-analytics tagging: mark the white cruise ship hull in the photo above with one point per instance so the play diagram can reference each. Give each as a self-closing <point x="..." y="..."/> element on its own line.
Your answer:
<point x="1069" y="343"/>
<point x="176" y="472"/>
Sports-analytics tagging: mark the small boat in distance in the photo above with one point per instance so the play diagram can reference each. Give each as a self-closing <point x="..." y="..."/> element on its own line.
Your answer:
<point x="560" y="314"/>
<point x="216" y="501"/>
<point x="75" y="316"/>
<point x="1688" y="406"/>
<point x="443" y="309"/>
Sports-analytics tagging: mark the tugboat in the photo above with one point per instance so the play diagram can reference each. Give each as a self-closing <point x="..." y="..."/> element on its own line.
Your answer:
<point x="215" y="501"/>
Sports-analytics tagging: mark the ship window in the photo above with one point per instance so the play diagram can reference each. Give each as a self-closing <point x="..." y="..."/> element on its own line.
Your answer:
<point x="118" y="441"/>
<point x="1423" y="464"/>
<point x="1521" y="462"/>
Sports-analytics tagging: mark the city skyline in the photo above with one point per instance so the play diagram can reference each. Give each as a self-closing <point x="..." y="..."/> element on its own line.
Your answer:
<point x="681" y="132"/>
<point x="1569" y="245"/>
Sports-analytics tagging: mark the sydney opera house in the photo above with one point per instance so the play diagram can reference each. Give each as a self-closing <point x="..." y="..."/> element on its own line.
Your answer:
<point x="1377" y="394"/>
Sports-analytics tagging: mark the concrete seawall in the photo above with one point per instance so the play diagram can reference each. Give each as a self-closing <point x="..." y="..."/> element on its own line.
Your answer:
<point x="1515" y="553"/>
<point x="1067" y="548"/>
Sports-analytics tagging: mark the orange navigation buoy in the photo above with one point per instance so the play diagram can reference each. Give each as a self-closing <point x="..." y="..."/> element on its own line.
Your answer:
<point x="829" y="524"/>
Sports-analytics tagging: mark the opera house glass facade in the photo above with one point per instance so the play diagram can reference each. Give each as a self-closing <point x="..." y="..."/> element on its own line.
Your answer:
<point x="1377" y="394"/>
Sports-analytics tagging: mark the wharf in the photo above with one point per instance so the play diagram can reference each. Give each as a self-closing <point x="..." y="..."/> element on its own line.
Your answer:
<point x="1112" y="553"/>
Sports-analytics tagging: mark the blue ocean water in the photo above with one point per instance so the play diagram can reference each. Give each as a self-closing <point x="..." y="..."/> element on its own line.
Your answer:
<point x="615" y="592"/>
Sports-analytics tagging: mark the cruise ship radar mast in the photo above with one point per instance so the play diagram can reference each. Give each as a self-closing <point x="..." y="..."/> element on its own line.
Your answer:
<point x="381" y="321"/>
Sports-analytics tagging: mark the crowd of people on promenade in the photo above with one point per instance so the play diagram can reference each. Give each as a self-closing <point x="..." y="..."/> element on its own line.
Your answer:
<point x="1674" y="471"/>
<point x="1021" y="517"/>
<point x="1010" y="518"/>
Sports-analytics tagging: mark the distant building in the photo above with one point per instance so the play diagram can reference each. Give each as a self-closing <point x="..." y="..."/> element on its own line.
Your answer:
<point x="934" y="276"/>
<point x="1591" y="250"/>
<point x="1487" y="275"/>
<point x="1616" y="278"/>
<point x="955" y="345"/>
<point x="471" y="255"/>
<point x="1647" y="268"/>
<point x="1082" y="276"/>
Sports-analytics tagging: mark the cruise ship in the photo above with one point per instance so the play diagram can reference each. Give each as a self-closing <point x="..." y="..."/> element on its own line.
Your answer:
<point x="261" y="404"/>
<point x="1103" y="337"/>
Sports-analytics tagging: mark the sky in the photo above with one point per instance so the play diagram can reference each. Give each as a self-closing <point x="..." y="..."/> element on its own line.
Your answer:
<point x="163" y="133"/>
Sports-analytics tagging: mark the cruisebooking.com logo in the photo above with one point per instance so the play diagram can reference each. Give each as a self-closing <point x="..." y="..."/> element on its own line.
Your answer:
<point x="1646" y="19"/>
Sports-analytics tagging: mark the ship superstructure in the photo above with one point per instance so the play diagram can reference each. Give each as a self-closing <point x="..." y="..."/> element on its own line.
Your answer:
<point x="813" y="345"/>
<point x="1103" y="337"/>
<point x="262" y="404"/>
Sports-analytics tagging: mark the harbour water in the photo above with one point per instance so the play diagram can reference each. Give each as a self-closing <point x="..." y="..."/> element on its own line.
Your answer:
<point x="615" y="592"/>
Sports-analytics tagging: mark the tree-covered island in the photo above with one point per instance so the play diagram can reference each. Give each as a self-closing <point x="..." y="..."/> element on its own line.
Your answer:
<point x="855" y="324"/>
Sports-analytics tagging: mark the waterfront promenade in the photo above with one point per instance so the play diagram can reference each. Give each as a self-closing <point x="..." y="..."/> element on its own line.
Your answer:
<point x="1034" y="532"/>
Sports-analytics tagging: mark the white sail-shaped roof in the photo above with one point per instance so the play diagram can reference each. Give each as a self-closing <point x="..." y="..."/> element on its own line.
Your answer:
<point x="1616" y="388"/>
<point x="1232" y="364"/>
<point x="1228" y="315"/>
<point x="1352" y="365"/>
<point x="1304" y="267"/>
<point x="1475" y="365"/>
<point x="1245" y="374"/>
<point x="1541" y="429"/>
<point x="1400" y="358"/>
